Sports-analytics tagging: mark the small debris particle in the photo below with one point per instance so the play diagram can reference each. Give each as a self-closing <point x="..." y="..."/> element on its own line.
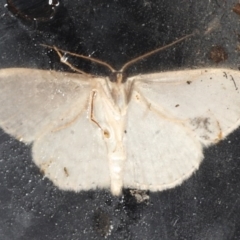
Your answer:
<point x="218" y="54"/>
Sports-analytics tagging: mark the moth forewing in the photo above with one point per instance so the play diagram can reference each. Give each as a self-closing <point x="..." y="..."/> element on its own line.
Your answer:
<point x="199" y="98"/>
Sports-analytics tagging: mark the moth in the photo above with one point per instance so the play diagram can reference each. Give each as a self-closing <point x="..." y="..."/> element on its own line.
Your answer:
<point x="145" y="132"/>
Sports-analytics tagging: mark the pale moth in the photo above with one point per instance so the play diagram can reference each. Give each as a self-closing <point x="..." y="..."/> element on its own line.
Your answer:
<point x="145" y="132"/>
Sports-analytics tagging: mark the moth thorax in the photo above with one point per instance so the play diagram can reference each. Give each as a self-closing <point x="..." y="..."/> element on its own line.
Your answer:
<point x="119" y="95"/>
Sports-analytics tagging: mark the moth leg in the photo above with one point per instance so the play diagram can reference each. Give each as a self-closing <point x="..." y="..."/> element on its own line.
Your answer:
<point x="92" y="108"/>
<point x="105" y="132"/>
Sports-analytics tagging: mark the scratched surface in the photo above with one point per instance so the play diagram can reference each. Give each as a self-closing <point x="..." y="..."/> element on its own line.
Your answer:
<point x="206" y="206"/>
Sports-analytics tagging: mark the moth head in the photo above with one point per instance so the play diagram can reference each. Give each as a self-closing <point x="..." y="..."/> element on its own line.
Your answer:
<point x="118" y="77"/>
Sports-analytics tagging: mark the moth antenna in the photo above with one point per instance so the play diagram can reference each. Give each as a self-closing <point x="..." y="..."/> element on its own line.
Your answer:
<point x="58" y="50"/>
<point x="126" y="65"/>
<point x="64" y="61"/>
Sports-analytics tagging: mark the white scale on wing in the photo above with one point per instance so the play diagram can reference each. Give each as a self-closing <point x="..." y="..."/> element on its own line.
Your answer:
<point x="145" y="132"/>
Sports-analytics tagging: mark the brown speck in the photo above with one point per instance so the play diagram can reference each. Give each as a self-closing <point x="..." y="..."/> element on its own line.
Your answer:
<point x="189" y="82"/>
<point x="137" y="96"/>
<point x="66" y="171"/>
<point x="218" y="54"/>
<point x="102" y="223"/>
<point x="42" y="171"/>
<point x="236" y="8"/>
<point x="220" y="134"/>
<point x="106" y="133"/>
<point x="177" y="105"/>
<point x="125" y="131"/>
<point x="45" y="166"/>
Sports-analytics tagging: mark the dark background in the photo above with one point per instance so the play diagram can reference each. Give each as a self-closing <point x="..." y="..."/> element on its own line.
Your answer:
<point x="206" y="206"/>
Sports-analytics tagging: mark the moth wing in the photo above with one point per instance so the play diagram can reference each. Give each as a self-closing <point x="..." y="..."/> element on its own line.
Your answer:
<point x="161" y="152"/>
<point x="51" y="110"/>
<point x="32" y="100"/>
<point x="170" y="116"/>
<point x="206" y="100"/>
<point x="74" y="156"/>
